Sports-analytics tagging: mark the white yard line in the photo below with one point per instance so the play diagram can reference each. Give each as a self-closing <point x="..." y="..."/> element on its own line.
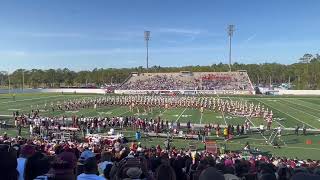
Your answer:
<point x="161" y="113"/>
<point x="122" y="113"/>
<point x="31" y="99"/>
<point x="302" y="111"/>
<point x="251" y="121"/>
<point x="302" y="105"/>
<point x="6" y="115"/>
<point x="275" y="98"/>
<point x="181" y="114"/>
<point x="111" y="111"/>
<point x="275" y="120"/>
<point x="201" y="118"/>
<point x="279" y="124"/>
<point x="290" y="147"/>
<point x="224" y="118"/>
<point x="223" y="112"/>
<point x="14" y="109"/>
<point x="290" y="116"/>
<point x="253" y="124"/>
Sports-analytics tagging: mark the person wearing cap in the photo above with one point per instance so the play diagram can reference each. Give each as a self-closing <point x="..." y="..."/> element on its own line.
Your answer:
<point x="90" y="167"/>
<point x="63" y="167"/>
<point x="26" y="152"/>
<point x="134" y="173"/>
<point x="106" y="158"/>
<point x="211" y="173"/>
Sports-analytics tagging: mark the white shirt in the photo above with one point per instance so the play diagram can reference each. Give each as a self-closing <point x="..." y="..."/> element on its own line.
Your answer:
<point x="84" y="176"/>
<point x="21" y="166"/>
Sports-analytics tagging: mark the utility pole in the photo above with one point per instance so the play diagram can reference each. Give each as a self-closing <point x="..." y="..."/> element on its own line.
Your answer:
<point x="147" y="38"/>
<point x="230" y="34"/>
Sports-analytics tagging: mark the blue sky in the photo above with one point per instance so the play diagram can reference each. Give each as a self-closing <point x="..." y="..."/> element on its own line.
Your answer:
<point x="81" y="35"/>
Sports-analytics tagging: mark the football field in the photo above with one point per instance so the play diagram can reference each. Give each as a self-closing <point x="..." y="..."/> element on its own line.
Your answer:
<point x="288" y="111"/>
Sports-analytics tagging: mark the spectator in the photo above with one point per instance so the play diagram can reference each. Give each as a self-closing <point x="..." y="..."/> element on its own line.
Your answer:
<point x="210" y="174"/>
<point x="63" y="167"/>
<point x="89" y="162"/>
<point x="8" y="166"/>
<point x="26" y="152"/>
<point x="37" y="164"/>
<point x="106" y="159"/>
<point x="165" y="172"/>
<point x="106" y="171"/>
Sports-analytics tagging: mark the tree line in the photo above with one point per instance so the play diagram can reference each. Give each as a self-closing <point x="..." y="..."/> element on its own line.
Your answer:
<point x="305" y="74"/>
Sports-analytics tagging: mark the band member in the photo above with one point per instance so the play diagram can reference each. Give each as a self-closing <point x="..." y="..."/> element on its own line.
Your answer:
<point x="201" y="109"/>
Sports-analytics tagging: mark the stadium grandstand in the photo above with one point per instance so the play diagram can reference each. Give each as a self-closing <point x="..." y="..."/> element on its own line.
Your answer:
<point x="203" y="82"/>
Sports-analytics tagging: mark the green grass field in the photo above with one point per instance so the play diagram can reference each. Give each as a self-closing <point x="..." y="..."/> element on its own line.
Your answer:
<point x="288" y="112"/>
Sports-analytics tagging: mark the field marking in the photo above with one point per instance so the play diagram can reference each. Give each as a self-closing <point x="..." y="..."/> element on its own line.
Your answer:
<point x="258" y="129"/>
<point x="201" y="118"/>
<point x="312" y="103"/>
<point x="123" y="113"/>
<point x="274" y="118"/>
<point x="22" y="100"/>
<point x="309" y="103"/>
<point x="272" y="107"/>
<point x="224" y="118"/>
<point x="290" y="115"/>
<point x="109" y="112"/>
<point x="301" y="111"/>
<point x="222" y="111"/>
<point x="71" y="111"/>
<point x="160" y="113"/>
<point x="249" y="119"/>
<point x="5" y="115"/>
<point x="302" y="105"/>
<point x="276" y="98"/>
<point x="14" y="109"/>
<point x="279" y="124"/>
<point x="290" y="147"/>
<point x="181" y="114"/>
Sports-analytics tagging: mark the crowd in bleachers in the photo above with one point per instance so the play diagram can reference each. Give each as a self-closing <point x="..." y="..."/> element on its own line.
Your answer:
<point x="161" y="82"/>
<point x="42" y="159"/>
<point x="192" y="81"/>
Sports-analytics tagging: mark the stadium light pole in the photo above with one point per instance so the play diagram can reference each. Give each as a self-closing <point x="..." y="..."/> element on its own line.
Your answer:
<point x="9" y="90"/>
<point x="22" y="80"/>
<point x="147" y="38"/>
<point x="230" y="34"/>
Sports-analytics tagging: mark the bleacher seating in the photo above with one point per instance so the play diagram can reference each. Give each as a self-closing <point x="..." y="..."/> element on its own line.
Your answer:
<point x="189" y="81"/>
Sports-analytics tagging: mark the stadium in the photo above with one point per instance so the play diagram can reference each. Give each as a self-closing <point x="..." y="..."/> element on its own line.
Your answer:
<point x="65" y="120"/>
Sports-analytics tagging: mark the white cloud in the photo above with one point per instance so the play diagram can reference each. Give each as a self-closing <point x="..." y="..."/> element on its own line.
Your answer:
<point x="109" y="51"/>
<point x="250" y="38"/>
<point x="132" y="62"/>
<point x="13" y="53"/>
<point x="180" y="31"/>
<point x="56" y="35"/>
<point x="103" y="36"/>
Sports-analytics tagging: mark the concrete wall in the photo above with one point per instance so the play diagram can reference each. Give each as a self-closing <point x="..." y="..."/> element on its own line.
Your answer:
<point x="75" y="90"/>
<point x="103" y="91"/>
<point x="208" y="92"/>
<point x="299" y="92"/>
